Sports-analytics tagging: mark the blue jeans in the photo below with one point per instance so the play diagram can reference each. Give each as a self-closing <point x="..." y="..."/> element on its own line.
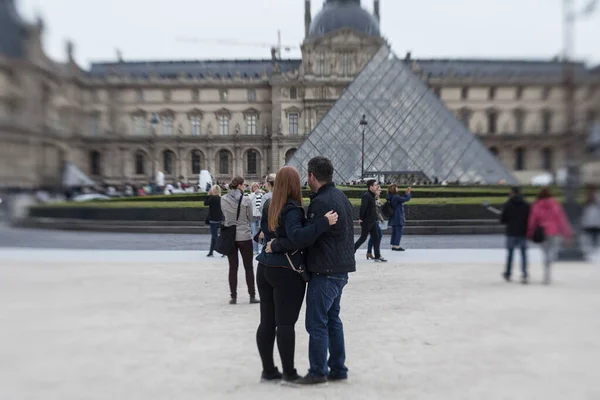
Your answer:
<point x="214" y="234"/>
<point x="324" y="325"/>
<point x="513" y="242"/>
<point x="255" y="227"/>
<point x="396" y="235"/>
<point x="379" y="237"/>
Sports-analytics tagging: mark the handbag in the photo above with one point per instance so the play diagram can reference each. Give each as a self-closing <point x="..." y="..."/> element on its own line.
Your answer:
<point x="226" y="241"/>
<point x="303" y="272"/>
<point x="539" y="234"/>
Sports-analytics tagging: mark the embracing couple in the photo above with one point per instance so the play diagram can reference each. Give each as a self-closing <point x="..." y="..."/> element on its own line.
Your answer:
<point x="318" y="248"/>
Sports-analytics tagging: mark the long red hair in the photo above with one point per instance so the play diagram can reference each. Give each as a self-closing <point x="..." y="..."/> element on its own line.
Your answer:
<point x="287" y="186"/>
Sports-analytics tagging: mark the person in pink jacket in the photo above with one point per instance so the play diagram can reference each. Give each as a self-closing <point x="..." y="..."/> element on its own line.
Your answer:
<point x="549" y="214"/>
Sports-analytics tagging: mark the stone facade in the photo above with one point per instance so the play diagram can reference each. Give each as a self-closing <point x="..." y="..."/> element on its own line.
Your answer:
<point x="123" y="121"/>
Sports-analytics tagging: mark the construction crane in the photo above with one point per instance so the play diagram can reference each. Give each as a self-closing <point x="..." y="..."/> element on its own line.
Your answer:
<point x="277" y="48"/>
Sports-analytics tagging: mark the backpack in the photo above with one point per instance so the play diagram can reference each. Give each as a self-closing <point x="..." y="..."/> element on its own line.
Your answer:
<point x="387" y="211"/>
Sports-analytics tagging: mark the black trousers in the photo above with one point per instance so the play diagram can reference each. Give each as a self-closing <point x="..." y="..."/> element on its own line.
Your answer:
<point x="281" y="295"/>
<point x="245" y="248"/>
<point x="366" y="229"/>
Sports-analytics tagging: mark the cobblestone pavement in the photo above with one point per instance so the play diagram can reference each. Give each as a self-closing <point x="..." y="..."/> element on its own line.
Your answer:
<point x="430" y="324"/>
<point x="48" y="239"/>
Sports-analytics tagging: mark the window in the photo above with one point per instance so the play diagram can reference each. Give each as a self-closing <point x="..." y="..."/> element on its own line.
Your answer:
<point x="94" y="125"/>
<point x="251" y="124"/>
<point x="492" y="93"/>
<point x="195" y="121"/>
<point x="196" y="95"/>
<point x="139" y="96"/>
<point x="546" y="92"/>
<point x="167" y="95"/>
<point x="223" y="125"/>
<point x="519" y="121"/>
<point x="293" y="118"/>
<point x="547" y="157"/>
<point x="464" y="115"/>
<point x="140" y="163"/>
<point x="167" y="125"/>
<point x="95" y="163"/>
<point x="494" y="151"/>
<point x="321" y="64"/>
<point x="293" y="93"/>
<point x="289" y="154"/>
<point x="168" y="162"/>
<point x="546" y="121"/>
<point x="252" y="162"/>
<point x="223" y="94"/>
<point x="438" y="91"/>
<point x="196" y="162"/>
<point x="492" y="122"/>
<point x="519" y="92"/>
<point x="519" y="159"/>
<point x="464" y="93"/>
<point x="139" y="123"/>
<point x="346" y="64"/>
<point x="251" y="95"/>
<point x="224" y="162"/>
<point x="323" y="93"/>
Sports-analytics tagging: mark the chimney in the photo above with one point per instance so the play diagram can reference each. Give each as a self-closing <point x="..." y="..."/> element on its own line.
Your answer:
<point x="307" y="17"/>
<point x="376" y="10"/>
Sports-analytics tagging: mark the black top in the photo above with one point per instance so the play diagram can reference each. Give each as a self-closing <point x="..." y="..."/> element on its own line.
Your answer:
<point x="368" y="208"/>
<point x="214" y="208"/>
<point x="333" y="251"/>
<point x="515" y="216"/>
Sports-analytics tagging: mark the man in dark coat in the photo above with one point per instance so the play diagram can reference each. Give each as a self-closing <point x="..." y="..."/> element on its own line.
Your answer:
<point x="368" y="219"/>
<point x="515" y="215"/>
<point x="329" y="260"/>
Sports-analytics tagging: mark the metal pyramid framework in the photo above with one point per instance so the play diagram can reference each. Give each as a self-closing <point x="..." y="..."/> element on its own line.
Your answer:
<point x="410" y="131"/>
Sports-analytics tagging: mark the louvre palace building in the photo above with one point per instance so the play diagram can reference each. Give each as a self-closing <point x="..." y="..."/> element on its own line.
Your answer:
<point x="122" y="121"/>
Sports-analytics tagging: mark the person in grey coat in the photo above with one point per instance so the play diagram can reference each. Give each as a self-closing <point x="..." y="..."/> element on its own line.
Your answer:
<point x="243" y="236"/>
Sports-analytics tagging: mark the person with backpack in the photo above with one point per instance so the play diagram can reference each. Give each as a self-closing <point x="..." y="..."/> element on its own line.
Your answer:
<point x="547" y="225"/>
<point x="397" y="219"/>
<point x="515" y="215"/>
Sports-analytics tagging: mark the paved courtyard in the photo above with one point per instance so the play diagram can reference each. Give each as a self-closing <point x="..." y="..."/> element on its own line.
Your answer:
<point x="431" y="324"/>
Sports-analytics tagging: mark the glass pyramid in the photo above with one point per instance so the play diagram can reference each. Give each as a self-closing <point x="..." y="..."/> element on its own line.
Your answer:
<point x="410" y="131"/>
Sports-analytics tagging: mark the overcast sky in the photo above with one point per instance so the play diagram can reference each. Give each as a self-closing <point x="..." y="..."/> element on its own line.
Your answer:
<point x="148" y="29"/>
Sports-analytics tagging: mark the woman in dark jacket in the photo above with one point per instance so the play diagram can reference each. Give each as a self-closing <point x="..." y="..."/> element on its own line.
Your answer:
<point x="215" y="215"/>
<point x="281" y="288"/>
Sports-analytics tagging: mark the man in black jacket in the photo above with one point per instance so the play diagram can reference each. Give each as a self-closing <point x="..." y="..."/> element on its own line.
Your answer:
<point x="515" y="216"/>
<point x="329" y="260"/>
<point x="368" y="219"/>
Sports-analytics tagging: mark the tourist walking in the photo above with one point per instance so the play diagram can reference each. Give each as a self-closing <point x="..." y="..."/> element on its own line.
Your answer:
<point x="590" y="219"/>
<point x="280" y="285"/>
<point x="398" y="219"/>
<point x="243" y="237"/>
<point x="547" y="219"/>
<point x="256" y="196"/>
<point x="368" y="220"/>
<point x="329" y="260"/>
<point x="215" y="216"/>
<point x="381" y="225"/>
<point x="515" y="215"/>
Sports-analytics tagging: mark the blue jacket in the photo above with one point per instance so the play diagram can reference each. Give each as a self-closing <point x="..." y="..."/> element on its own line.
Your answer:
<point x="398" y="219"/>
<point x="294" y="231"/>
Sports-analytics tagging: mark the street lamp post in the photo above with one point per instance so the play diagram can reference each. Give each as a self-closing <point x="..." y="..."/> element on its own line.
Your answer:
<point x="572" y="186"/>
<point x="363" y="125"/>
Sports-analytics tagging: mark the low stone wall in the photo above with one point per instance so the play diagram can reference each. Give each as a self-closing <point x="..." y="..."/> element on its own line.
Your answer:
<point x="417" y="212"/>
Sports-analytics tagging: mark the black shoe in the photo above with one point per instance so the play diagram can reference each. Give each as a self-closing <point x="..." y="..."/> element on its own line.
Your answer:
<point x="337" y="378"/>
<point x="398" y="249"/>
<point x="291" y="377"/>
<point x="254" y="300"/>
<point x="233" y="301"/>
<point x="506" y="277"/>
<point x="524" y="281"/>
<point x="210" y="255"/>
<point x="271" y="376"/>
<point x="380" y="260"/>
<point x="311" y="380"/>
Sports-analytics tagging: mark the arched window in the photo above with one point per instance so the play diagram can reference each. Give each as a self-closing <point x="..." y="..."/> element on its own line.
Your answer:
<point x="546" y="121"/>
<point x="519" y="121"/>
<point x="252" y="162"/>
<point x="494" y="151"/>
<point x="519" y="159"/>
<point x="168" y="162"/>
<point x="289" y="154"/>
<point x="196" y="162"/>
<point x="547" y="159"/>
<point x="492" y="121"/>
<point x="140" y="163"/>
<point x="95" y="163"/>
<point x="224" y="162"/>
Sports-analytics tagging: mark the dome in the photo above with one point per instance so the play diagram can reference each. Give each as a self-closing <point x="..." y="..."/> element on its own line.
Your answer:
<point x="339" y="14"/>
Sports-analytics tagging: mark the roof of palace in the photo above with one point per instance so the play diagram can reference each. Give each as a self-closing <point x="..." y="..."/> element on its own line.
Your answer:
<point x="247" y="69"/>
